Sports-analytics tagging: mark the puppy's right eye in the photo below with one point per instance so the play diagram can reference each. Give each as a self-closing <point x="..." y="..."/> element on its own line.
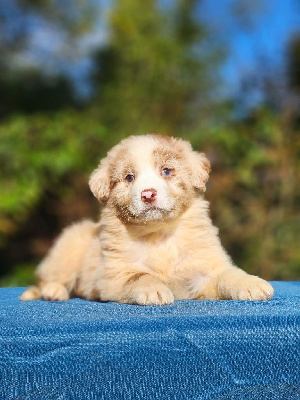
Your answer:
<point x="129" y="178"/>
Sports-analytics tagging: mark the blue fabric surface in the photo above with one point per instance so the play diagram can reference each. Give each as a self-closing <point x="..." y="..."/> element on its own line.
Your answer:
<point x="189" y="350"/>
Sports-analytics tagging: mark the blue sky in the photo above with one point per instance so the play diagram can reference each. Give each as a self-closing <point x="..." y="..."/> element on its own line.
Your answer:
<point x="251" y="39"/>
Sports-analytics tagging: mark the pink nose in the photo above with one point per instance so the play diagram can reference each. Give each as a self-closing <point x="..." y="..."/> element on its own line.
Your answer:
<point x="148" y="195"/>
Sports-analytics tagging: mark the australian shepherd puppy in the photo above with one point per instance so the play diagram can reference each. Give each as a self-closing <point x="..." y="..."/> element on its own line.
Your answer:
<point x="154" y="243"/>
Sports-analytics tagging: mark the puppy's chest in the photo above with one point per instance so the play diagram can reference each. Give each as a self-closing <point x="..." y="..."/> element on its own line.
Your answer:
<point x="163" y="258"/>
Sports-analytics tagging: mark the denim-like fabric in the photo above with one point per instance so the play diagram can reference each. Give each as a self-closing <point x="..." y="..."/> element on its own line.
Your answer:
<point x="189" y="350"/>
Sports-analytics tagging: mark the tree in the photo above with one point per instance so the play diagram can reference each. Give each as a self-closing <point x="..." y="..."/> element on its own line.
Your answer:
<point x="154" y="71"/>
<point x="39" y="47"/>
<point x="293" y="64"/>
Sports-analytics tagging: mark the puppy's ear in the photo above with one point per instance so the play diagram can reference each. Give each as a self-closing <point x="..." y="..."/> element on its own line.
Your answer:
<point x="200" y="170"/>
<point x="99" y="182"/>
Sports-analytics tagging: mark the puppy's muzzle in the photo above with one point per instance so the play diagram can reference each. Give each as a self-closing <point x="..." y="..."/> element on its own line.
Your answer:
<point x="148" y="195"/>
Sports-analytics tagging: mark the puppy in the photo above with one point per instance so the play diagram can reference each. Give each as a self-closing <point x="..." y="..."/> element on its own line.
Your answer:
<point x="154" y="242"/>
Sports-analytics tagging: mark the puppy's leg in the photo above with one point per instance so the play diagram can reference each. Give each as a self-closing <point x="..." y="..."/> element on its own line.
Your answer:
<point x="88" y="285"/>
<point x="54" y="291"/>
<point x="144" y="289"/>
<point x="58" y="272"/>
<point x="236" y="284"/>
<point x="31" y="293"/>
<point x="51" y="291"/>
<point x="222" y="280"/>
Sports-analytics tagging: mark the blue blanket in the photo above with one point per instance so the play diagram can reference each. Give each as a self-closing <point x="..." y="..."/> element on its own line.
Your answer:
<point x="189" y="350"/>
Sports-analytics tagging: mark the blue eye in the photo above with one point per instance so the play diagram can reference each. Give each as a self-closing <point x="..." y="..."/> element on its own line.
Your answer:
<point x="166" y="172"/>
<point x="129" y="178"/>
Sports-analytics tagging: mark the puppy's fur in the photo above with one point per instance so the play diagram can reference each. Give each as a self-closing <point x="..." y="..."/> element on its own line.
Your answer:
<point x="154" y="242"/>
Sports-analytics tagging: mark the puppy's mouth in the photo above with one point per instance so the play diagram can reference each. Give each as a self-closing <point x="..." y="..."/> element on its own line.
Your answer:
<point x="154" y="209"/>
<point x="149" y="209"/>
<point x="149" y="212"/>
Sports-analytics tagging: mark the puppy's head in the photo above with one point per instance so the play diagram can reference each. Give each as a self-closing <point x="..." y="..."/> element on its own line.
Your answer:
<point x="150" y="178"/>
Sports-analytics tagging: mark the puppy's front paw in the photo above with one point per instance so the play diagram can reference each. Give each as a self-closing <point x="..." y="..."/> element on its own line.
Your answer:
<point x="152" y="295"/>
<point x="53" y="291"/>
<point x="246" y="287"/>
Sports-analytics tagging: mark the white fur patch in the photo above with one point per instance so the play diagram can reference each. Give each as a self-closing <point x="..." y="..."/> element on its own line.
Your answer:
<point x="198" y="283"/>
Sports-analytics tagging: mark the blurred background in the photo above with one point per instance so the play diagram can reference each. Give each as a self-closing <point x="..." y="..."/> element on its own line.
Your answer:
<point x="76" y="76"/>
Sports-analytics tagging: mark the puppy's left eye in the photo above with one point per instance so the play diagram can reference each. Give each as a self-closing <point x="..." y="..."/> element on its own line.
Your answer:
<point x="166" y="172"/>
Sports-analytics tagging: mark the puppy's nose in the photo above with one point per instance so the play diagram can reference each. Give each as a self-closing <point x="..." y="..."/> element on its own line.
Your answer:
<point x="148" y="195"/>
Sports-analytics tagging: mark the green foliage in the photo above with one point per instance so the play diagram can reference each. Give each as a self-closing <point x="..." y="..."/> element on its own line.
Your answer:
<point x="254" y="192"/>
<point x="22" y="275"/>
<point x="36" y="152"/>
